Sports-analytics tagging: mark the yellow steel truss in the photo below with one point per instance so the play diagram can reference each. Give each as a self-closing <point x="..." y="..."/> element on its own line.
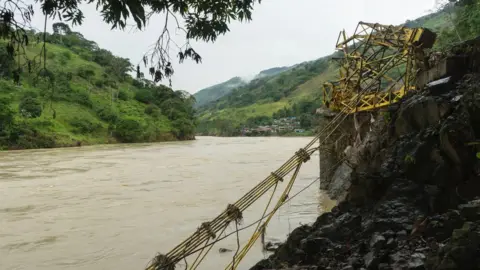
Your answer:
<point x="380" y="61"/>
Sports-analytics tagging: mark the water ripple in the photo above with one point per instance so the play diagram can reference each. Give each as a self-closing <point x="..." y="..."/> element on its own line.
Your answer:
<point x="115" y="206"/>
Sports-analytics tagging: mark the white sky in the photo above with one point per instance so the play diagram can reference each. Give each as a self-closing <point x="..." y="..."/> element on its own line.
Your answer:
<point x="282" y="33"/>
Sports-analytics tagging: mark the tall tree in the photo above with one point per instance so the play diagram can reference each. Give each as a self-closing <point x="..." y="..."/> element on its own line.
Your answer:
<point x="61" y="29"/>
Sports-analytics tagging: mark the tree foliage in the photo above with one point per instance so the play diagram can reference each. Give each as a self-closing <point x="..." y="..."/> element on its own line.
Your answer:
<point x="129" y="130"/>
<point x="30" y="107"/>
<point x="465" y="22"/>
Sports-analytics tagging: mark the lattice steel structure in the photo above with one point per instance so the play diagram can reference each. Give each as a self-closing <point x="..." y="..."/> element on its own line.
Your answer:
<point x="381" y="61"/>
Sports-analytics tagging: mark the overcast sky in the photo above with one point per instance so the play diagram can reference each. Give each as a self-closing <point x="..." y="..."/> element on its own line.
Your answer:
<point x="282" y="33"/>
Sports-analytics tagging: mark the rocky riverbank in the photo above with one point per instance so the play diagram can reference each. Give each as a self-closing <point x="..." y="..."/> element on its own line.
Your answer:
<point x="409" y="190"/>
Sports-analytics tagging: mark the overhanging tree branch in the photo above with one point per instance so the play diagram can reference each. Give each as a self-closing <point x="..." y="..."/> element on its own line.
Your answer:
<point x="203" y="20"/>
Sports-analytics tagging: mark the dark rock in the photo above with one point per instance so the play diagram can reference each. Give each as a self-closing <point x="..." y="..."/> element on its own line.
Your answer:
<point x="402" y="234"/>
<point x="314" y="245"/>
<point x="324" y="219"/>
<point x="371" y="260"/>
<point x="470" y="210"/>
<point x="384" y="266"/>
<point x="377" y="241"/>
<point x="389" y="233"/>
<point x="327" y="231"/>
<point x="391" y="243"/>
<point x="356" y="261"/>
<point x="398" y="260"/>
<point x="417" y="261"/>
<point x="272" y="246"/>
<point x="418" y="113"/>
<point x="340" y="182"/>
<point x="297" y="235"/>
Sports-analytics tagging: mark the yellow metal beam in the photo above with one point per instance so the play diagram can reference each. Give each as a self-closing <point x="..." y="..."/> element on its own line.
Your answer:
<point x="380" y="61"/>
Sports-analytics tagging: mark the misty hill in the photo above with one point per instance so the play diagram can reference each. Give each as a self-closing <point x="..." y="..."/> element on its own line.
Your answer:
<point x="213" y="93"/>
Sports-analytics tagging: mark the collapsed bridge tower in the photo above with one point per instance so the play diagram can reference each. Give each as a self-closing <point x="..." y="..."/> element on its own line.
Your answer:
<point x="379" y="66"/>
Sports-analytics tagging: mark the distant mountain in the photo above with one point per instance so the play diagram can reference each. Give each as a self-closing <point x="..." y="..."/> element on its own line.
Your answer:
<point x="212" y="93"/>
<point x="271" y="71"/>
<point x="215" y="92"/>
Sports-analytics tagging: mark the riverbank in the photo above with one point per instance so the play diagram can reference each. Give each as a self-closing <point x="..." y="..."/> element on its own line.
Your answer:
<point x="409" y="191"/>
<point x="34" y="141"/>
<point x="308" y="133"/>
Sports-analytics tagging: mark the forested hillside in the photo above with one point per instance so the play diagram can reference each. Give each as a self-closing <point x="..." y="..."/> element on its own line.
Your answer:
<point x="68" y="91"/>
<point x="295" y="92"/>
<point x="211" y="94"/>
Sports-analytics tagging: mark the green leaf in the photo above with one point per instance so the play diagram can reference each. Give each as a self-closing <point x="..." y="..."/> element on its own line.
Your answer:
<point x="478" y="155"/>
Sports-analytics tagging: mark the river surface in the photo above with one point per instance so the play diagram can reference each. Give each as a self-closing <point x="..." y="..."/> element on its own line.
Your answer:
<point x="116" y="206"/>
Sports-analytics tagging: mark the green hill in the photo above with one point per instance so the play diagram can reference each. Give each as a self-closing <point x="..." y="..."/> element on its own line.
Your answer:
<point x="294" y="92"/>
<point x="83" y="94"/>
<point x="271" y="72"/>
<point x="211" y="94"/>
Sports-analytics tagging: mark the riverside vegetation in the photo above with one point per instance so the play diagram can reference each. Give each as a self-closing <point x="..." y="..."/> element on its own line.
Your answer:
<point x="85" y="96"/>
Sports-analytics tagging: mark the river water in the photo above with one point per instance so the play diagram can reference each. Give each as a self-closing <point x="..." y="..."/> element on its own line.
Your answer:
<point x="116" y="206"/>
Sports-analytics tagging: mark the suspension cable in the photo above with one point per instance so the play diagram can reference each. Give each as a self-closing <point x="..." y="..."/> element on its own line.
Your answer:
<point x="207" y="231"/>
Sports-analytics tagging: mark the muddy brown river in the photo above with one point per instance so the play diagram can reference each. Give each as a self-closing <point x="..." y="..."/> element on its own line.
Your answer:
<point x="116" y="206"/>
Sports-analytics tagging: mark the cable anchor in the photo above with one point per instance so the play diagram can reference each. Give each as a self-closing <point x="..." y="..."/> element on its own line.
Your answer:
<point x="277" y="177"/>
<point x="303" y="155"/>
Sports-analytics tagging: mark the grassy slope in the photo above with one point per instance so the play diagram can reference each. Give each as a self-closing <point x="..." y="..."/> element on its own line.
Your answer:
<point x="60" y="128"/>
<point x="311" y="89"/>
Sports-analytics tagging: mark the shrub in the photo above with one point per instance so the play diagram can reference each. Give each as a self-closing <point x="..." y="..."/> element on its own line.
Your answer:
<point x="64" y="58"/>
<point x="100" y="83"/>
<point x="145" y="96"/>
<point x="138" y="83"/>
<point x="108" y="114"/>
<point x="86" y="72"/>
<point x="24" y="137"/>
<point x="50" y="55"/>
<point x="30" y="107"/>
<point x="67" y="55"/>
<point x="29" y="94"/>
<point x="183" y="128"/>
<point x="69" y="76"/>
<point x="153" y="110"/>
<point x="6" y="114"/>
<point x="112" y="83"/>
<point x="80" y="97"/>
<point x="129" y="130"/>
<point x="123" y="95"/>
<point x="86" y="55"/>
<point x="84" y="126"/>
<point x="7" y="86"/>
